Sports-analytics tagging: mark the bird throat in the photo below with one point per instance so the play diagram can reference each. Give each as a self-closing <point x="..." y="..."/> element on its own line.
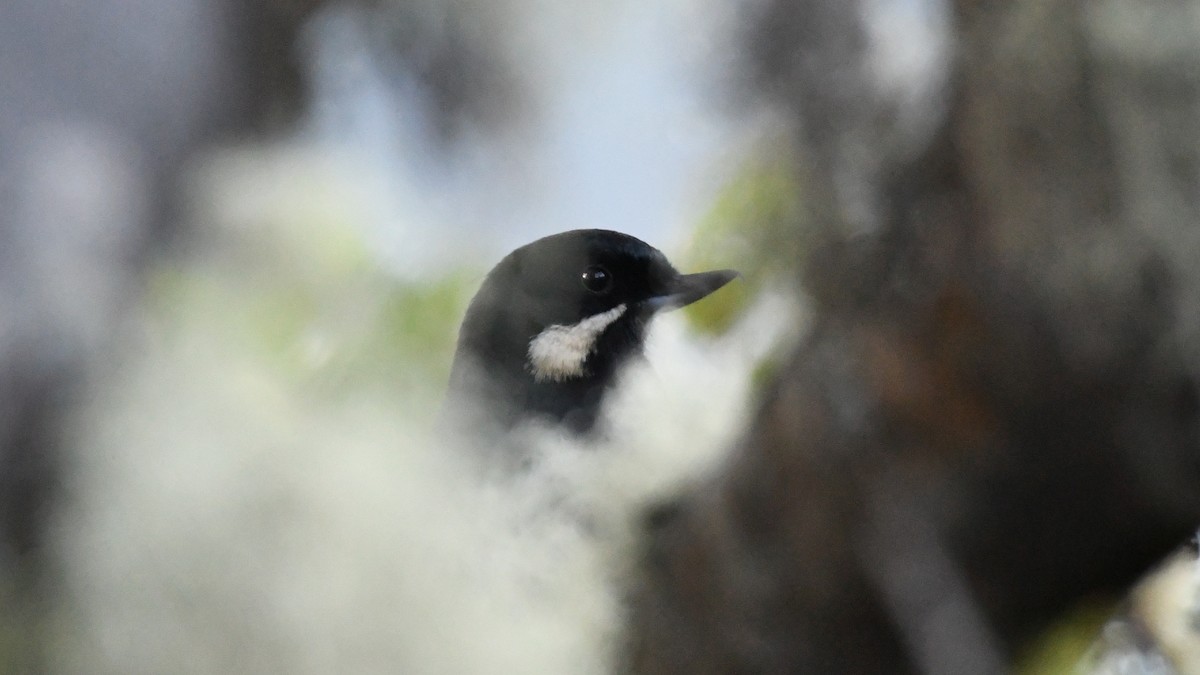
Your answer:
<point x="559" y="352"/>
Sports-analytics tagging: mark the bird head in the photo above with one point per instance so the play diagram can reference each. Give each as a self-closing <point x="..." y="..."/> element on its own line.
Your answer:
<point x="547" y="331"/>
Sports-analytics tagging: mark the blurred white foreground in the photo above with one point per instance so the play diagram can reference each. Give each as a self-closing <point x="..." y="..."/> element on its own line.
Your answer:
<point x="238" y="504"/>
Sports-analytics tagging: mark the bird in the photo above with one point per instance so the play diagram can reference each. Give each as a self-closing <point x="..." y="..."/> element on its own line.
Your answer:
<point x="545" y="336"/>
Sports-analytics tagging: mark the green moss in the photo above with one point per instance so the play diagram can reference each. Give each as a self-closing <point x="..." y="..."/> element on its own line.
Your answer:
<point x="331" y="334"/>
<point x="754" y="226"/>
<point x="415" y="326"/>
<point x="1060" y="649"/>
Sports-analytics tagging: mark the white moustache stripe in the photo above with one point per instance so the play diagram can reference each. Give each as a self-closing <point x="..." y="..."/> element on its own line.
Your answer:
<point x="558" y="352"/>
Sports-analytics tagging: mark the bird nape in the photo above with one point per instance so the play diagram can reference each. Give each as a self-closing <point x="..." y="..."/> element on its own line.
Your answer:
<point x="547" y="332"/>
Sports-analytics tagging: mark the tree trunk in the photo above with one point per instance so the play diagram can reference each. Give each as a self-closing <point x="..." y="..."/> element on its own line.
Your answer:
<point x="996" y="412"/>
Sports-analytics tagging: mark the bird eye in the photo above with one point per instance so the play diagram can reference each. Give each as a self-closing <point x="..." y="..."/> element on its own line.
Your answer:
<point x="597" y="280"/>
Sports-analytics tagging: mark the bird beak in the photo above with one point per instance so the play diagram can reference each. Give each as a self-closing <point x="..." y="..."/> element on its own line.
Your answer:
<point x="688" y="288"/>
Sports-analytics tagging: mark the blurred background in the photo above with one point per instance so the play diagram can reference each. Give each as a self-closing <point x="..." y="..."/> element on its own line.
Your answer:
<point x="238" y="237"/>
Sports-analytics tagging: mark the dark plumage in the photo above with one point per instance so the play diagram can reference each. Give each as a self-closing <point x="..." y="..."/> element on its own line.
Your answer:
<point x="554" y="321"/>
